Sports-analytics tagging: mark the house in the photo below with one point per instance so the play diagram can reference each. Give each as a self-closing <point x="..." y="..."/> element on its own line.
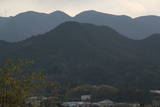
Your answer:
<point x="105" y="103"/>
<point x="109" y="103"/>
<point x="76" y="104"/>
<point x="126" y="105"/>
<point x="86" y="98"/>
<point x="85" y="102"/>
<point x="36" y="101"/>
<point x="40" y="101"/>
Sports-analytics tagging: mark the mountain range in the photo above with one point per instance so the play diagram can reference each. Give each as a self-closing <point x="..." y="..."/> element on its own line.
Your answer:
<point x="90" y="54"/>
<point x="27" y="24"/>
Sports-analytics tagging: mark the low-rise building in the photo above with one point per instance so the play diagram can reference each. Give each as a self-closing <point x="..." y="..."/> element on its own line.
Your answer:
<point x="86" y="98"/>
<point x="126" y="105"/>
<point x="106" y="103"/>
<point x="76" y="104"/>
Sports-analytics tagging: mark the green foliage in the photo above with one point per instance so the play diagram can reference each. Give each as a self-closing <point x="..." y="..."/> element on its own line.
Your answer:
<point x="16" y="84"/>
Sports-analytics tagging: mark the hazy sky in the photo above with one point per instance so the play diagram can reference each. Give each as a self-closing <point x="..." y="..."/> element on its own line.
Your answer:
<point x="129" y="7"/>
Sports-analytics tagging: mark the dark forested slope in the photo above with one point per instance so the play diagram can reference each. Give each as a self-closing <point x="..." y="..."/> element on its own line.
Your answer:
<point x="75" y="53"/>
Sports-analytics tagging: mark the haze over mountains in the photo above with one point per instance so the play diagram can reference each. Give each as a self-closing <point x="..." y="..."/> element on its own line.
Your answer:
<point x="27" y="24"/>
<point x="90" y="54"/>
<point x="30" y="23"/>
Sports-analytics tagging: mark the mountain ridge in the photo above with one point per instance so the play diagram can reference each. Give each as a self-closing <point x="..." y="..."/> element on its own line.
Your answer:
<point x="40" y="23"/>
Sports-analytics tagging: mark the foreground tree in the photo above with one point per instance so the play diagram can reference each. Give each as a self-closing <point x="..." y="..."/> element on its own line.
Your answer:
<point x="16" y="84"/>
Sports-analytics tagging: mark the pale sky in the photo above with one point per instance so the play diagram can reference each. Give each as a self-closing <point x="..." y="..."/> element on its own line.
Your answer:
<point x="132" y="8"/>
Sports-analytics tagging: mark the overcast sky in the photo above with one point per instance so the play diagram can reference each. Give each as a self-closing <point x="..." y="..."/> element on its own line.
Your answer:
<point x="128" y="7"/>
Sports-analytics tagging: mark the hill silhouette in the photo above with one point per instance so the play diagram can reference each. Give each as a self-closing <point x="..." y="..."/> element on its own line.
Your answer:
<point x="27" y="24"/>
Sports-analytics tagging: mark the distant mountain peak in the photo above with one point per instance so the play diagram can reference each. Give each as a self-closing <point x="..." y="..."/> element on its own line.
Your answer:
<point x="30" y="23"/>
<point x="149" y="16"/>
<point x="59" y="13"/>
<point x="29" y="13"/>
<point x="92" y="12"/>
<point x="100" y="14"/>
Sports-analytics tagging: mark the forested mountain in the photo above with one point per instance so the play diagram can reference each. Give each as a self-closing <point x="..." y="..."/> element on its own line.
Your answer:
<point x="27" y="24"/>
<point x="75" y="53"/>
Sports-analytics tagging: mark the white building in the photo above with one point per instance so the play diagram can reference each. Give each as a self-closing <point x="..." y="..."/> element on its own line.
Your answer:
<point x="86" y="98"/>
<point x="76" y="104"/>
<point x="105" y="103"/>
